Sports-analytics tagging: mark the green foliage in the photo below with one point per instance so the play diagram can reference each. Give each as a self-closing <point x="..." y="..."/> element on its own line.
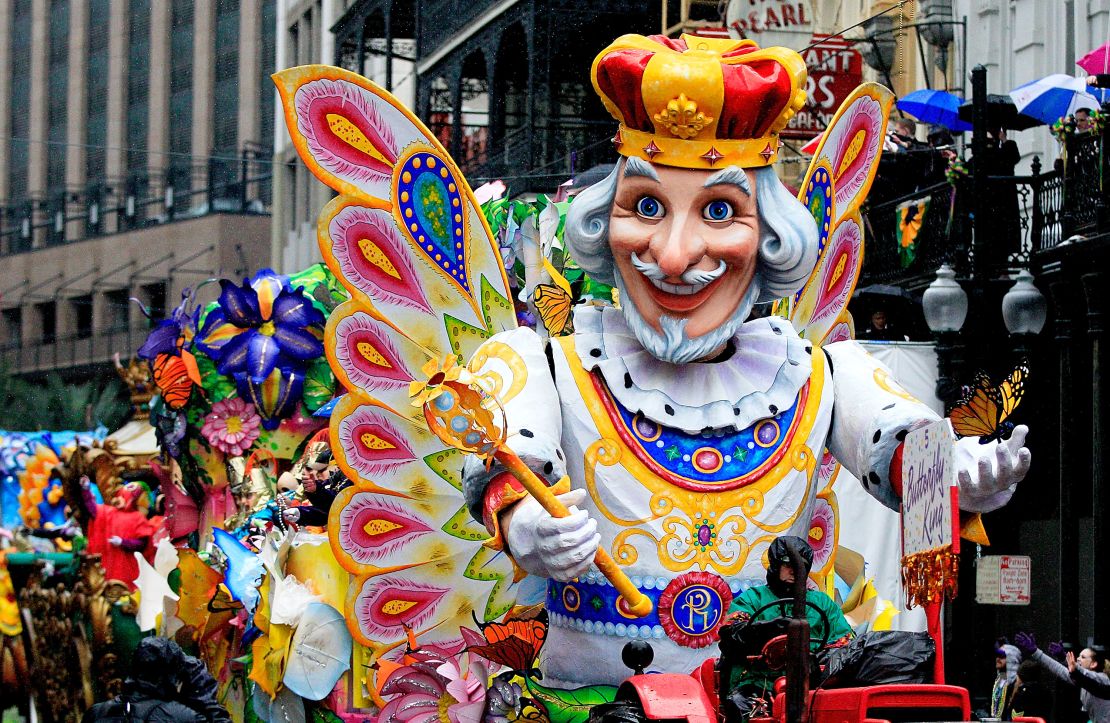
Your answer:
<point x="571" y="706"/>
<point x="55" y="405"/>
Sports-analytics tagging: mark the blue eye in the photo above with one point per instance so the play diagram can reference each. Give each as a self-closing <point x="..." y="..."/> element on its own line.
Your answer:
<point x="649" y="207"/>
<point x="718" y="211"/>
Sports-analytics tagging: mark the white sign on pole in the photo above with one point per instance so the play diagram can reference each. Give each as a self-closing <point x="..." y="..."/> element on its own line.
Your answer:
<point x="1003" y="580"/>
<point x="771" y="22"/>
<point x="927" y="472"/>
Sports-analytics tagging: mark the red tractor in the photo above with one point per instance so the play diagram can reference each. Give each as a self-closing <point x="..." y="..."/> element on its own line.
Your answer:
<point x="779" y="643"/>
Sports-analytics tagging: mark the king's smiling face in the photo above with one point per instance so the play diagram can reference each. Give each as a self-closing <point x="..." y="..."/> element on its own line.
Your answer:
<point x="685" y="242"/>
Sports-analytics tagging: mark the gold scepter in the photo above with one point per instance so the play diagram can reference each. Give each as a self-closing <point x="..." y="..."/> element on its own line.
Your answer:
<point x="460" y="412"/>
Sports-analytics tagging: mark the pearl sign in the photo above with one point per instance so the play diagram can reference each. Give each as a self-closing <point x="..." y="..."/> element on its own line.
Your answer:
<point x="771" y="22"/>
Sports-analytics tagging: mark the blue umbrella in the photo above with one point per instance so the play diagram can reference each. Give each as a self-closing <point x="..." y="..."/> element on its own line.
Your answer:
<point x="934" y="106"/>
<point x="1052" y="97"/>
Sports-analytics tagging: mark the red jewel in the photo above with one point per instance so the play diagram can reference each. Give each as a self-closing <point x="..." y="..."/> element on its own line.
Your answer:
<point x="767" y="152"/>
<point x="707" y="460"/>
<point x="652" y="150"/>
<point x="712" y="155"/>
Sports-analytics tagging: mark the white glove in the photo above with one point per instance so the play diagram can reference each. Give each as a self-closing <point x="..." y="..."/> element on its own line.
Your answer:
<point x="988" y="473"/>
<point x="115" y="540"/>
<point x="561" y="548"/>
<point x="291" y="515"/>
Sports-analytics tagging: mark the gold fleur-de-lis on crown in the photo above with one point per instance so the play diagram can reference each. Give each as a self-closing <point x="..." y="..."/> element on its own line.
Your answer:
<point x="682" y="118"/>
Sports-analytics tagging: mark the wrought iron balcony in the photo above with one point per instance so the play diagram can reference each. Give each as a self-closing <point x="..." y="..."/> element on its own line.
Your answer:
<point x="1027" y="214"/>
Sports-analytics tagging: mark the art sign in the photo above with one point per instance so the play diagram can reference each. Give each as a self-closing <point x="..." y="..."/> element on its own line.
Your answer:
<point x="926" y="489"/>
<point x="929" y="537"/>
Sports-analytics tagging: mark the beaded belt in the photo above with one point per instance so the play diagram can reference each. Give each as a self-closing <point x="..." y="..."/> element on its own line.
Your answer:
<point x="687" y="609"/>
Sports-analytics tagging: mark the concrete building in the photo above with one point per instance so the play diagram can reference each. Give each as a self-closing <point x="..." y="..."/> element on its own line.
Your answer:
<point x="136" y="161"/>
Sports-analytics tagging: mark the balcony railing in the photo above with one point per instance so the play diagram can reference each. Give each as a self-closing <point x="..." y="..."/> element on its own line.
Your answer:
<point x="539" y="159"/>
<point x="1026" y="214"/>
<point x="184" y="190"/>
<point x="74" y="350"/>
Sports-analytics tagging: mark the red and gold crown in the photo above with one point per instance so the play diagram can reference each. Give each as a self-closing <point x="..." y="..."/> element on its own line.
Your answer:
<point x="699" y="102"/>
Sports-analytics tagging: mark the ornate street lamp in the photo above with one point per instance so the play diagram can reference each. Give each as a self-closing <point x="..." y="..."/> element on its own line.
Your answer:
<point x="1024" y="311"/>
<point x="935" y="25"/>
<point x="945" y="307"/>
<point x="945" y="302"/>
<point x="878" y="49"/>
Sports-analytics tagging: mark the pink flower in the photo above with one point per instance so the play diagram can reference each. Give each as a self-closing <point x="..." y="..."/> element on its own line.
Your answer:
<point x="232" y="426"/>
<point x="432" y="688"/>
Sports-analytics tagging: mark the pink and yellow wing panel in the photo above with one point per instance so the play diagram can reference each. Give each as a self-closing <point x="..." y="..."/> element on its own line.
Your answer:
<point x="837" y="183"/>
<point x="409" y="242"/>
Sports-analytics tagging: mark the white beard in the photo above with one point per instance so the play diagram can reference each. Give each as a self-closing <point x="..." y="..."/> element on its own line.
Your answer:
<point x="672" y="345"/>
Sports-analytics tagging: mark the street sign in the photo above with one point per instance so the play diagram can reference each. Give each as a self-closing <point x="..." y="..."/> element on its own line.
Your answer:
<point x="835" y="69"/>
<point x="927" y="474"/>
<point x="1003" y="580"/>
<point x="771" y="22"/>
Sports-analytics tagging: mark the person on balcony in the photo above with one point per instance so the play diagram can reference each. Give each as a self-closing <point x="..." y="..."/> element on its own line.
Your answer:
<point x="1102" y="80"/>
<point x="881" y="328"/>
<point x="1001" y="202"/>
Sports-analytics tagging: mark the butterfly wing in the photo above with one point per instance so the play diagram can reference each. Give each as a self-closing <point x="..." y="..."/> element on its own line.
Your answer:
<point x="1012" y="390"/>
<point x="835" y="186"/>
<point x="407" y="239"/>
<point x="554" y="305"/>
<point x="976" y="414"/>
<point x="174" y="379"/>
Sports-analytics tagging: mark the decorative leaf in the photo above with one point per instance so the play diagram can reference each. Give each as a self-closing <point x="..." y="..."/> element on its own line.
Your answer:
<point x="463" y="526"/>
<point x="319" y="384"/>
<point x="492" y="301"/>
<point x="447" y="463"/>
<point x="217" y="387"/>
<point x="465" y="338"/>
<point x="571" y="706"/>
<point x="488" y="565"/>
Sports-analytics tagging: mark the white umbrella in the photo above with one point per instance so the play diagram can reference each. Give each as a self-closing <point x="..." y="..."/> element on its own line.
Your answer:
<point x="1053" y="97"/>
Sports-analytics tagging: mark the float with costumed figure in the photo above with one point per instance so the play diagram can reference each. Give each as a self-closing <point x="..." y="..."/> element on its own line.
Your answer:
<point x="387" y="498"/>
<point x="537" y="500"/>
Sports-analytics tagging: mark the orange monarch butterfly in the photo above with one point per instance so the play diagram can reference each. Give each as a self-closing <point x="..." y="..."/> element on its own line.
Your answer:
<point x="983" y="410"/>
<point x="175" y="376"/>
<point x="514" y="643"/>
<point x="554" y="305"/>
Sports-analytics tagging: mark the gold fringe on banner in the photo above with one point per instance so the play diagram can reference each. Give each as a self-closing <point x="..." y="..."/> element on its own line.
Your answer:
<point x="930" y="577"/>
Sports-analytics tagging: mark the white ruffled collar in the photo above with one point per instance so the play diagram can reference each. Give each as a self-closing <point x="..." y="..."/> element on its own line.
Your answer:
<point x="769" y="365"/>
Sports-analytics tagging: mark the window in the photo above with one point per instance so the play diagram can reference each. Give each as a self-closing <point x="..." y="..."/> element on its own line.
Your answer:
<point x="117" y="306"/>
<point x="20" y="99"/>
<point x="12" y="320"/>
<point x="182" y="35"/>
<point x="82" y="309"/>
<point x="227" y="77"/>
<point x="58" y="73"/>
<point x="138" y="85"/>
<point x="154" y="296"/>
<point x="266" y="66"/>
<point x="96" y="80"/>
<point x="47" y="321"/>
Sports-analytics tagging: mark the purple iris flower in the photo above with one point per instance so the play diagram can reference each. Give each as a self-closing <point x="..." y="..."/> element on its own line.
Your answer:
<point x="163" y="337"/>
<point x="276" y="397"/>
<point x="261" y="326"/>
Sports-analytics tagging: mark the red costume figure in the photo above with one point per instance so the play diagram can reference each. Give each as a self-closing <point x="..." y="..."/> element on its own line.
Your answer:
<point x="119" y="530"/>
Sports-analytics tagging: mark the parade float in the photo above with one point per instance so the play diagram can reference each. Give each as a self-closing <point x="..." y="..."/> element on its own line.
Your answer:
<point x="388" y="497"/>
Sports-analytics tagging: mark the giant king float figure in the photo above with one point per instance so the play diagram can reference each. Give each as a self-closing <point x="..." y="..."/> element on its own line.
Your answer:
<point x="683" y="436"/>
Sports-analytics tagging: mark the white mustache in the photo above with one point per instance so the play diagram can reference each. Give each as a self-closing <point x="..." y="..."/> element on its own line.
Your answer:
<point x="694" y="277"/>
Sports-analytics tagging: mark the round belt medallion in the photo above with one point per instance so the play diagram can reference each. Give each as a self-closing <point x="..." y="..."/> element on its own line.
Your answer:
<point x="692" y="607"/>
